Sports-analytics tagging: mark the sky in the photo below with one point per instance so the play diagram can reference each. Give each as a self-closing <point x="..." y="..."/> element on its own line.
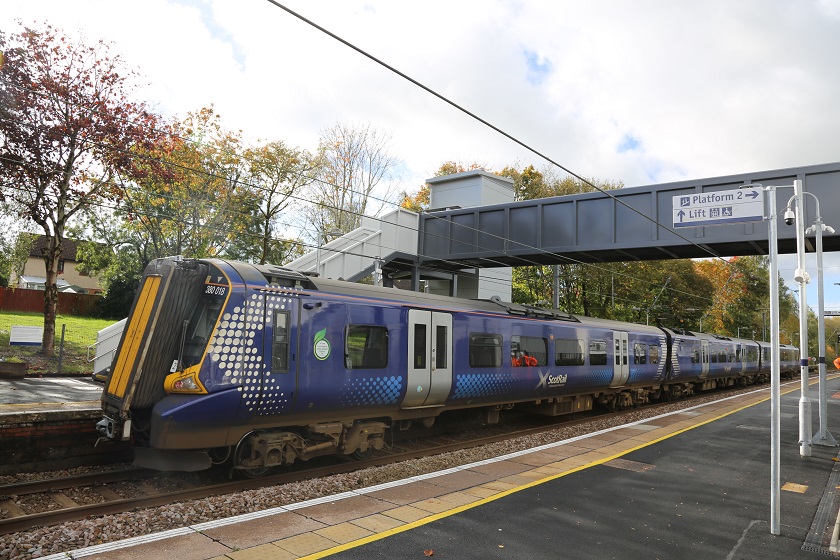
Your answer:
<point x="642" y="92"/>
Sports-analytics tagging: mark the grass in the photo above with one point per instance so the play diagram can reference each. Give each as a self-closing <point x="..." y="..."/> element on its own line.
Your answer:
<point x="79" y="334"/>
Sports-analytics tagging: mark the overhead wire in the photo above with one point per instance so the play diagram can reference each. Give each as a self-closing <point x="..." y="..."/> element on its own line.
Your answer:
<point x="523" y="259"/>
<point x="507" y="240"/>
<point x="485" y="122"/>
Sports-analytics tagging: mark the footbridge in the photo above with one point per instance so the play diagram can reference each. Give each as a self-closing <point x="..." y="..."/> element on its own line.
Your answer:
<point x="478" y="227"/>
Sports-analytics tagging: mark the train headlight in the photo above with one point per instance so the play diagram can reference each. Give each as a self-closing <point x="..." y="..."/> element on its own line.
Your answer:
<point x="184" y="382"/>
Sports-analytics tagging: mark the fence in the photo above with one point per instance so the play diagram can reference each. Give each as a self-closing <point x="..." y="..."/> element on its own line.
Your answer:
<point x="20" y="299"/>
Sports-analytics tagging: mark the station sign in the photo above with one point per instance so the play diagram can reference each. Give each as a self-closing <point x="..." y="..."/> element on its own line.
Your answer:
<point x="831" y="313"/>
<point x="719" y="208"/>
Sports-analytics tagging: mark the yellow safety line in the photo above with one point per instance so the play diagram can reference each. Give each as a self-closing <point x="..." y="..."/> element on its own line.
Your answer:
<point x="133" y="337"/>
<point x="508" y="492"/>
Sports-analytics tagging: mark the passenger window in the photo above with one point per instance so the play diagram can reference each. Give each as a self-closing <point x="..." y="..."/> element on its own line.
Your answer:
<point x="366" y="347"/>
<point x="639" y="353"/>
<point x="419" y="346"/>
<point x="528" y="351"/>
<point x="617" y="352"/>
<point x="441" y="347"/>
<point x="485" y="350"/>
<point x="597" y="353"/>
<point x="568" y="352"/>
<point x="280" y="343"/>
<point x="654" y="354"/>
<point x="695" y="356"/>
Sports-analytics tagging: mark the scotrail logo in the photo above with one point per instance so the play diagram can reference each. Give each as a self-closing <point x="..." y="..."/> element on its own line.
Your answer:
<point x="547" y="380"/>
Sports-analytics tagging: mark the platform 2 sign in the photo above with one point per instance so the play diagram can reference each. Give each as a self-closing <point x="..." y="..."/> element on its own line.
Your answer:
<point x="718" y="208"/>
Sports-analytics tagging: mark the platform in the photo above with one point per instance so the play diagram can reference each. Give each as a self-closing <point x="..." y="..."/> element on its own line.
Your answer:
<point x="691" y="484"/>
<point x="48" y="390"/>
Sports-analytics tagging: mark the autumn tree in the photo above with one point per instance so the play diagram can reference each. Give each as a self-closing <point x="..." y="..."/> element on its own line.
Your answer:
<point x="189" y="201"/>
<point x="355" y="174"/>
<point x="67" y="130"/>
<point x="275" y="174"/>
<point x="742" y="295"/>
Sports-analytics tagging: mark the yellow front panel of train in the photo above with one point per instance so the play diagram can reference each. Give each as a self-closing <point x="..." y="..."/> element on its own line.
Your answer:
<point x="134" y="337"/>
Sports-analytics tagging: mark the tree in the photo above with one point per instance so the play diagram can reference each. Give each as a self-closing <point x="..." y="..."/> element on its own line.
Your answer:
<point x="67" y="129"/>
<point x="13" y="254"/>
<point x="275" y="172"/>
<point x="742" y="295"/>
<point x="353" y="162"/>
<point x="191" y="201"/>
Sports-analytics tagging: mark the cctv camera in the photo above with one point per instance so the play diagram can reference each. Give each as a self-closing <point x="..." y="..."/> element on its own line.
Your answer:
<point x="789" y="216"/>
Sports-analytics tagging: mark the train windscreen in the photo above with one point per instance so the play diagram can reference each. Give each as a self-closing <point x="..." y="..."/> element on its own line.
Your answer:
<point x="202" y="322"/>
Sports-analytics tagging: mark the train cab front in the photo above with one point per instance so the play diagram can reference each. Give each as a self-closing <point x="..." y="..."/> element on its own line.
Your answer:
<point x="162" y="371"/>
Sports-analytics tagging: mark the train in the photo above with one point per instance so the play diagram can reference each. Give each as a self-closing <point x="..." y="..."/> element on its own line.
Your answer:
<point x="259" y="366"/>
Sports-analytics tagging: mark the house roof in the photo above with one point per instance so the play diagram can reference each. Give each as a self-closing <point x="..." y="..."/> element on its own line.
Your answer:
<point x="68" y="248"/>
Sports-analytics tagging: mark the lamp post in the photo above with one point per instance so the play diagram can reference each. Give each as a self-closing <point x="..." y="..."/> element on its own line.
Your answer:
<point x="801" y="277"/>
<point x="823" y="437"/>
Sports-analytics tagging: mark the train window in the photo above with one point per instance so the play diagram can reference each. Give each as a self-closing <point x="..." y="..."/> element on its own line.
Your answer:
<point x="597" y="353"/>
<point x="280" y="343"/>
<point x="200" y="328"/>
<point x="419" y="346"/>
<point x="617" y="353"/>
<point x="485" y="350"/>
<point x="654" y="354"/>
<point x="695" y="356"/>
<point x="713" y="356"/>
<point x="639" y="353"/>
<point x="528" y="351"/>
<point x="568" y="352"/>
<point x="366" y="347"/>
<point x="441" y="347"/>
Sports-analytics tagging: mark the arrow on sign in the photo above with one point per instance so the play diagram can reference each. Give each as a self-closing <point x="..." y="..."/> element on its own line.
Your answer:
<point x="681" y="214"/>
<point x="752" y="194"/>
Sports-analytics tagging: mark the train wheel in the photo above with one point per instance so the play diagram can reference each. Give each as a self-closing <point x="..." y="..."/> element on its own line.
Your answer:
<point x="243" y="452"/>
<point x="360" y="455"/>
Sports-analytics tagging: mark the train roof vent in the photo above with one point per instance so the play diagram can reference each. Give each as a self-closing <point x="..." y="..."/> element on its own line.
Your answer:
<point x="282" y="276"/>
<point x="531" y="311"/>
<point x="721" y="337"/>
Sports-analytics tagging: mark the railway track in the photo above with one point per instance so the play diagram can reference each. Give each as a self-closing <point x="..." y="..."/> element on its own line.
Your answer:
<point x="63" y="507"/>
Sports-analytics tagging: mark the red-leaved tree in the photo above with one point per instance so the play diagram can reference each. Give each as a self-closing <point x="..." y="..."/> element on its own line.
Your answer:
<point x="67" y="129"/>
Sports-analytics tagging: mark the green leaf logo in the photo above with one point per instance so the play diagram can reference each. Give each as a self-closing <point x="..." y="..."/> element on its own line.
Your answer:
<point x="321" y="346"/>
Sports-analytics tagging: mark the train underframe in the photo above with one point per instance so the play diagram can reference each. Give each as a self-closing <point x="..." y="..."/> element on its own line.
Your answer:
<point x="262" y="449"/>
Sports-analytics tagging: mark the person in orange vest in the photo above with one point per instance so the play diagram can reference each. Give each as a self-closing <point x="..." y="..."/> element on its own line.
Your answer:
<point x="837" y="362"/>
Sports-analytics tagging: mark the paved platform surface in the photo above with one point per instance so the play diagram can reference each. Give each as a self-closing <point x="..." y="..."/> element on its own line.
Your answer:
<point x="48" y="391"/>
<point x="693" y="484"/>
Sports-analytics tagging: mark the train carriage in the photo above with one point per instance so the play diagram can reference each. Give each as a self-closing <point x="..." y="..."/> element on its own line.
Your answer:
<point x="260" y="366"/>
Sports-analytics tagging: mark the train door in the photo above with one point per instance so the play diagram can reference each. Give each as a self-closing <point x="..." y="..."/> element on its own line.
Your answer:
<point x="742" y="354"/>
<point x="280" y="348"/>
<point x="429" y="358"/>
<point x="704" y="358"/>
<point x="621" y="361"/>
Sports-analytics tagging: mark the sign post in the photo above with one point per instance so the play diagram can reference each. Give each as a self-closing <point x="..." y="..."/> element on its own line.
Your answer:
<point x="736" y="206"/>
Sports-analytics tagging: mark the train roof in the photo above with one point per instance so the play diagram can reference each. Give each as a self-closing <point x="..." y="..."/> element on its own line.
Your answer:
<point x="284" y="277"/>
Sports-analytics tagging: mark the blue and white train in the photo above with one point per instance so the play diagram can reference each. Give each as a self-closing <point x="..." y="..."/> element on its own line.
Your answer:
<point x="261" y="366"/>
